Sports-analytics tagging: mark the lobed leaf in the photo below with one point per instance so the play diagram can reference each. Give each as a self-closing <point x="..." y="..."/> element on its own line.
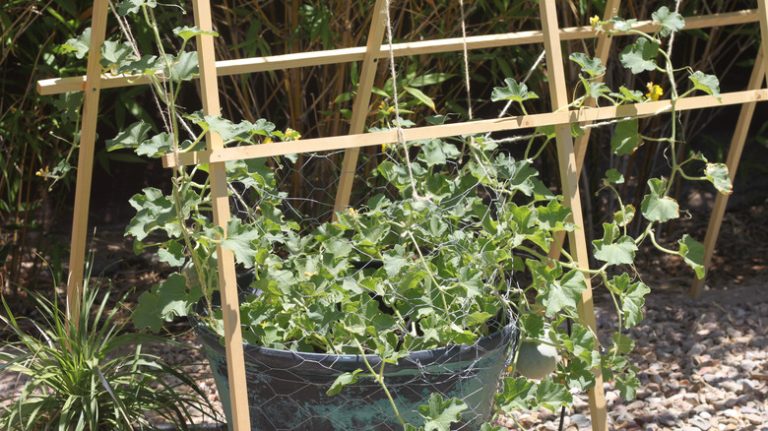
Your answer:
<point x="669" y="21"/>
<point x="640" y="56"/>
<point x="718" y="175"/>
<point x="657" y="207"/>
<point x="513" y="91"/>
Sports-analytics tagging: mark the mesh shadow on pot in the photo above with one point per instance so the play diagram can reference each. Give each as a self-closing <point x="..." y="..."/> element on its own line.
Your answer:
<point x="287" y="390"/>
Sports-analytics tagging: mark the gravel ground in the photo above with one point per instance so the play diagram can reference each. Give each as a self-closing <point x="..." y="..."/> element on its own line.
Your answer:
<point x="704" y="366"/>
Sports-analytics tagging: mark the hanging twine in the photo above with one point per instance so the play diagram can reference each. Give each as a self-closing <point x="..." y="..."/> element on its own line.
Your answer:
<point x="393" y="74"/>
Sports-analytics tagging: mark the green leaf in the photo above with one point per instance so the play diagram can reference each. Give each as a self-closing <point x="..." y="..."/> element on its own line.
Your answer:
<point x="79" y="45"/>
<point x="490" y="427"/>
<point x="565" y="292"/>
<point x="669" y="21"/>
<point x="116" y="54"/>
<point x="186" y="32"/>
<point x="626" y="137"/>
<point x="393" y="264"/>
<point x="164" y="302"/>
<point x="519" y="174"/>
<point x="437" y="152"/>
<point x="184" y="67"/>
<point x="554" y="216"/>
<point x="624" y="216"/>
<point x="552" y="396"/>
<point x="614" y="248"/>
<point x="239" y="239"/>
<point x="592" y="66"/>
<point x="421" y="97"/>
<point x="477" y="318"/>
<point x="717" y="174"/>
<point x="613" y="176"/>
<point x="655" y="206"/>
<point x="429" y="79"/>
<point x="622" y="344"/>
<point x="622" y="25"/>
<point x="154" y="211"/>
<point x="440" y="413"/>
<point x="514" y="91"/>
<point x="631" y="96"/>
<point x="706" y="83"/>
<point x="157" y="146"/>
<point x="126" y="7"/>
<point x="692" y="253"/>
<point x="133" y="136"/>
<point x="516" y="394"/>
<point x="632" y="296"/>
<point x="147" y="64"/>
<point x="640" y="56"/>
<point x="344" y="379"/>
<point x="173" y="254"/>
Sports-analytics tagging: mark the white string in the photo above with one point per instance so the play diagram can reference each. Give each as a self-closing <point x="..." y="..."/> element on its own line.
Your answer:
<point x="393" y="72"/>
<point x="466" y="60"/>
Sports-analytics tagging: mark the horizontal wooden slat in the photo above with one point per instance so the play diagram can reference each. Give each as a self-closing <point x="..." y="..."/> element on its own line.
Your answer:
<point x="345" y="55"/>
<point x="468" y="128"/>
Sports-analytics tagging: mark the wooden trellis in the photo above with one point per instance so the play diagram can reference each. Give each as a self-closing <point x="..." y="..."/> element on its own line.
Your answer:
<point x="570" y="158"/>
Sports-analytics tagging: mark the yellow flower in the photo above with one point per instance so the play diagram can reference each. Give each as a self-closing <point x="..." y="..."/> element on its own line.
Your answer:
<point x="654" y="91"/>
<point x="352" y="212"/>
<point x="594" y="21"/>
<point x="292" y="135"/>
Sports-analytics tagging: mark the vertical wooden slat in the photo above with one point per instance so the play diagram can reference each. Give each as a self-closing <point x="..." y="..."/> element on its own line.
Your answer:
<point x="90" y="114"/>
<point x="762" y="11"/>
<point x="569" y="179"/>
<point x="602" y="50"/>
<point x="361" y="105"/>
<point x="738" y="141"/>
<point x="604" y="42"/>
<point x="239" y="419"/>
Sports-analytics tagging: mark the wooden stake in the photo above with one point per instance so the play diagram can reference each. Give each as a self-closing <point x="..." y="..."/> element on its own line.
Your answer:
<point x="737" y="145"/>
<point x="333" y="143"/>
<point x="230" y="304"/>
<point x="569" y="179"/>
<point x="90" y="114"/>
<point x="361" y="107"/>
<point x="344" y="55"/>
<point x="734" y="155"/>
<point x="601" y="51"/>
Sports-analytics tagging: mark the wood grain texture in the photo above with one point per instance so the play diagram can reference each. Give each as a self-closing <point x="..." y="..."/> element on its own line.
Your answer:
<point x="344" y="55"/>
<point x="90" y="117"/>
<point x="558" y="91"/>
<point x="239" y="418"/>
<point x="465" y="128"/>
<point x="603" y="49"/>
<point x="362" y="104"/>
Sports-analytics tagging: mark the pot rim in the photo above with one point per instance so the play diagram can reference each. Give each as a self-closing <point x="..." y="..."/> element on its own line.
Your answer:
<point x="498" y="339"/>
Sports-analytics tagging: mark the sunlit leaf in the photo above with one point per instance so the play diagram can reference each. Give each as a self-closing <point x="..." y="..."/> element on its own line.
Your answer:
<point x="656" y="206"/>
<point x="706" y="83"/>
<point x="718" y="175"/>
<point x="669" y="21"/>
<point x="592" y="66"/>
<point x="514" y="91"/>
<point x="692" y="252"/>
<point x="640" y="56"/>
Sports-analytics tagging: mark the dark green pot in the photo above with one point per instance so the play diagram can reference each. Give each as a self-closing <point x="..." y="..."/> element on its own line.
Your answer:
<point x="287" y="390"/>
